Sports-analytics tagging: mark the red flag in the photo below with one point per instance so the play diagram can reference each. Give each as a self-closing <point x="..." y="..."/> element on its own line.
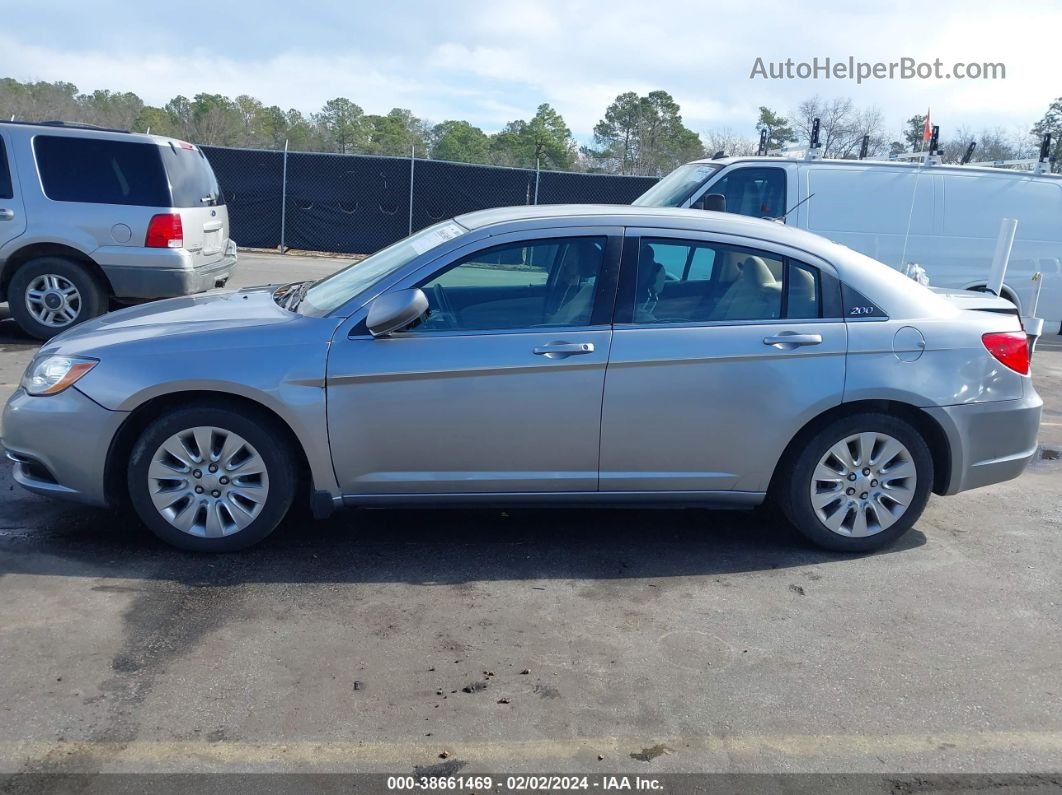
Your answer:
<point x="927" y="128"/>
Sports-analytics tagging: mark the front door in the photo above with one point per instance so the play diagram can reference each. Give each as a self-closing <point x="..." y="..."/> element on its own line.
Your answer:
<point x="12" y="218"/>
<point x="497" y="390"/>
<point x="720" y="354"/>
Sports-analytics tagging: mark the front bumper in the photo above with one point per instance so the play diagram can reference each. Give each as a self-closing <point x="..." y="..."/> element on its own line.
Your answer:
<point x="59" y="444"/>
<point x="990" y="442"/>
<point x="162" y="273"/>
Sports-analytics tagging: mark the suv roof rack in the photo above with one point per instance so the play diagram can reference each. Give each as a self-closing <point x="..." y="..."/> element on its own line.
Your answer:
<point x="73" y="125"/>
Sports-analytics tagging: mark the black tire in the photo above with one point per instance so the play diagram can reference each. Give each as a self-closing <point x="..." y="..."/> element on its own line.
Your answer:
<point x="93" y="299"/>
<point x="793" y="484"/>
<point x="259" y="431"/>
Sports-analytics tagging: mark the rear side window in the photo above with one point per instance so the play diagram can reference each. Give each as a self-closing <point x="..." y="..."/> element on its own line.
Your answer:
<point x="192" y="180"/>
<point x="6" y="191"/>
<point x="699" y="282"/>
<point x="101" y="171"/>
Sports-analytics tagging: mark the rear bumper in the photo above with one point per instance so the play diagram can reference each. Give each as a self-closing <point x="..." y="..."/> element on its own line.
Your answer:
<point x="990" y="442"/>
<point x="162" y="273"/>
<point x="59" y="444"/>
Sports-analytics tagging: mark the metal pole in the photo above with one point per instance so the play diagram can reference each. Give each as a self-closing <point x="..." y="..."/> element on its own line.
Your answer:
<point x="538" y="173"/>
<point x="412" y="162"/>
<point x="1004" y="243"/>
<point x="284" y="198"/>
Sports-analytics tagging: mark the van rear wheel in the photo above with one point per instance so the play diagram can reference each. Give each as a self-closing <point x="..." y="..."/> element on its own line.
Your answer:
<point x="48" y="295"/>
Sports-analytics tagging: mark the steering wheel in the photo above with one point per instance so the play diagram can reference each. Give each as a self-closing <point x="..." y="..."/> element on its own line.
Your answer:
<point x="443" y="306"/>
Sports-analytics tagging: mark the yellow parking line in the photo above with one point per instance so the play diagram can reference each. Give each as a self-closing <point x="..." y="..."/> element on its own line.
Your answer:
<point x="182" y="755"/>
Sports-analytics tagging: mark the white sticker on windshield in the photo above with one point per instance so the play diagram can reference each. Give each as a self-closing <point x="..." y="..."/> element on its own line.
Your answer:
<point x="435" y="237"/>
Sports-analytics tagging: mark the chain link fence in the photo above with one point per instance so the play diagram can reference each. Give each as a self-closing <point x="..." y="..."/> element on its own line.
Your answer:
<point x="358" y="203"/>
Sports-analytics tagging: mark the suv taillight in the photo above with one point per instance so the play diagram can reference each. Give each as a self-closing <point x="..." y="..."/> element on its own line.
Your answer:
<point x="1010" y="348"/>
<point x="165" y="231"/>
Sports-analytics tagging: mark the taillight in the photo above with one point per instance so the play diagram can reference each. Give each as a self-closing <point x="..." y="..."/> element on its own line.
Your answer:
<point x="165" y="231"/>
<point x="1010" y="348"/>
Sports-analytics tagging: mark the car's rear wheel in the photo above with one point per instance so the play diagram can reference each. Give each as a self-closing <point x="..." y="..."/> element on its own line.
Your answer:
<point x="210" y="479"/>
<point x="859" y="483"/>
<point x="48" y="295"/>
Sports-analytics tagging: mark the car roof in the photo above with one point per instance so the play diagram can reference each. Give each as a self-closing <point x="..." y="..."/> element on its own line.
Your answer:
<point x="902" y="296"/>
<point x="77" y="130"/>
<point x="659" y="217"/>
<point x="953" y="168"/>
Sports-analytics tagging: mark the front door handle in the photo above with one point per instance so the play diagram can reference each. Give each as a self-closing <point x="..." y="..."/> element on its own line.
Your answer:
<point x="561" y="350"/>
<point x="7" y="215"/>
<point x="788" y="340"/>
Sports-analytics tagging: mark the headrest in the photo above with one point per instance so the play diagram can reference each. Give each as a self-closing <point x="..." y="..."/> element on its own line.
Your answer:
<point x="755" y="270"/>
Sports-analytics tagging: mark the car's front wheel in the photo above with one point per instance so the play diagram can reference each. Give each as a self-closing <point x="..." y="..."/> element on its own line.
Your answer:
<point x="859" y="483"/>
<point x="211" y="479"/>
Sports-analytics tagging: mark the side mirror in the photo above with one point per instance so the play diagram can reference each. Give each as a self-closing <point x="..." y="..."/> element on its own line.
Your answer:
<point x="395" y="311"/>
<point x="716" y="202"/>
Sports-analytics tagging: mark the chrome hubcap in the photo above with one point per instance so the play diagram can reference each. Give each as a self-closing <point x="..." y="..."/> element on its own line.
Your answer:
<point x="208" y="482"/>
<point x="863" y="485"/>
<point x="53" y="300"/>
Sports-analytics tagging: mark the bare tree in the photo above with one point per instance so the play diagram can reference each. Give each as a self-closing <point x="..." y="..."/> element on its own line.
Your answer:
<point x="730" y="143"/>
<point x="835" y="116"/>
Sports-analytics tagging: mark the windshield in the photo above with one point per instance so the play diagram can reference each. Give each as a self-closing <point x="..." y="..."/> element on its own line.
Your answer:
<point x="674" y="189"/>
<point x="335" y="290"/>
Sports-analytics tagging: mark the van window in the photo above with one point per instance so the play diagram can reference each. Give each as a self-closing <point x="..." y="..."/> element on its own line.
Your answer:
<point x="101" y="171"/>
<point x="6" y="191"/>
<point x="758" y="192"/>
<point x="192" y="180"/>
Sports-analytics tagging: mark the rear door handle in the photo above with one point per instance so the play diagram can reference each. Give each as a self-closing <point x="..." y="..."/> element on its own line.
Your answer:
<point x="788" y="340"/>
<point x="561" y="350"/>
<point x="7" y="215"/>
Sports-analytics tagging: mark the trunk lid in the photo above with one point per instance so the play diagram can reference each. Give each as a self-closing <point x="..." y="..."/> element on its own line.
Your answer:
<point x="975" y="299"/>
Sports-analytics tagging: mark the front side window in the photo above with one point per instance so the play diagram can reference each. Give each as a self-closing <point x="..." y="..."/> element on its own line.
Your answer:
<point x="6" y="191"/>
<point x="541" y="283"/>
<point x="757" y="192"/>
<point x="333" y="291"/>
<point x="700" y="282"/>
<point x="101" y="171"/>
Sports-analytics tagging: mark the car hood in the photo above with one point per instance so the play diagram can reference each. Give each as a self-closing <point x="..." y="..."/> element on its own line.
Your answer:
<point x="176" y="320"/>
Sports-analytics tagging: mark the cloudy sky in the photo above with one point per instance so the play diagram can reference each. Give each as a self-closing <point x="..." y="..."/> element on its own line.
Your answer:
<point x="490" y="61"/>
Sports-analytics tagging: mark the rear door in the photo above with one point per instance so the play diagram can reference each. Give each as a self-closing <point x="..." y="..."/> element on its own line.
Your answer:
<point x="197" y="196"/>
<point x="12" y="215"/>
<point x="721" y="352"/>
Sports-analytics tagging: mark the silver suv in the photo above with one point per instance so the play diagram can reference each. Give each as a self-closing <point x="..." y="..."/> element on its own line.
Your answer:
<point x="91" y="216"/>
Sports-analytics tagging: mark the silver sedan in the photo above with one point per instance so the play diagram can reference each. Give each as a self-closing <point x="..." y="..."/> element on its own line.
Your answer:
<point x="548" y="355"/>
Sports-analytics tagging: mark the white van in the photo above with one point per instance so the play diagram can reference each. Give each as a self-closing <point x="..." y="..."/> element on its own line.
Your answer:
<point x="945" y="218"/>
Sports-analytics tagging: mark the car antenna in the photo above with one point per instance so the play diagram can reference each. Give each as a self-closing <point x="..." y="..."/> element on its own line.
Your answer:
<point x="791" y="209"/>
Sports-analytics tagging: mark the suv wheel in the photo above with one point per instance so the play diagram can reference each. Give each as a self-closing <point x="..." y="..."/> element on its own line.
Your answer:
<point x="859" y="484"/>
<point x="48" y="295"/>
<point x="211" y="479"/>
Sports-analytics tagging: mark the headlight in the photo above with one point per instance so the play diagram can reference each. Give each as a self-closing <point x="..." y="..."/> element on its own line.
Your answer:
<point x="50" y="375"/>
